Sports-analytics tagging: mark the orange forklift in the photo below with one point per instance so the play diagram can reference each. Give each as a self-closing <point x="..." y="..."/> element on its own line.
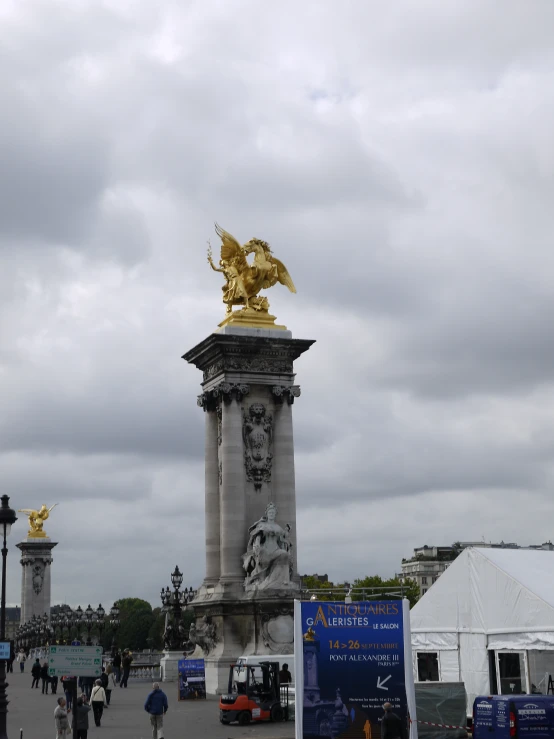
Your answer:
<point x="254" y="695"/>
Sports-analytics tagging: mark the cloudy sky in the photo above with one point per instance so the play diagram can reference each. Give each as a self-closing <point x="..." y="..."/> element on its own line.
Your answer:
<point x="398" y="157"/>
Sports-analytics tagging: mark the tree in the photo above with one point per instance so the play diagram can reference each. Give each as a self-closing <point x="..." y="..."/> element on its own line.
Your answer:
<point x="136" y="619"/>
<point x="410" y="587"/>
<point x="337" y="592"/>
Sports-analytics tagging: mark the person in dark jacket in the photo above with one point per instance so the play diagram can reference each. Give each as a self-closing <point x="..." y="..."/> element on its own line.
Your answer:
<point x="156" y="706"/>
<point x="117" y="666"/>
<point x="392" y="726"/>
<point x="35" y="672"/>
<point x="81" y="713"/>
<point x="87" y="683"/>
<point x="126" y="663"/>
<point x="44" y="677"/>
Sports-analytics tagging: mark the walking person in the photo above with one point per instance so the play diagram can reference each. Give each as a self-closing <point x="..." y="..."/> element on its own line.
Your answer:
<point x="81" y="713"/>
<point x="126" y="661"/>
<point x="392" y="726"/>
<point x="35" y="672"/>
<point x="21" y="658"/>
<point x="67" y="686"/>
<point x="61" y="719"/>
<point x="45" y="678"/>
<point x="156" y="706"/>
<point x="98" y="701"/>
<point x="111" y="685"/>
<point x="117" y="666"/>
<point x="54" y="684"/>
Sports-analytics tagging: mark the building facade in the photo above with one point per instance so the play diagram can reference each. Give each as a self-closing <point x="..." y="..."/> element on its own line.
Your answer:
<point x="13" y="618"/>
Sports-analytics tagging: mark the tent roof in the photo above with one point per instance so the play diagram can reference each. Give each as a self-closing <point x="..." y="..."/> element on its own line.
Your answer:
<point x="491" y="591"/>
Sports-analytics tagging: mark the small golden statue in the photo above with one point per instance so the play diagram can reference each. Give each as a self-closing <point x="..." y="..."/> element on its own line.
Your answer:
<point x="36" y="521"/>
<point x="243" y="281"/>
<point x="310" y="635"/>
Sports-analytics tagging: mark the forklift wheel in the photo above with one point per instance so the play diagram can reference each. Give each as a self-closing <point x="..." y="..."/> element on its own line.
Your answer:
<point x="244" y="718"/>
<point x="277" y="713"/>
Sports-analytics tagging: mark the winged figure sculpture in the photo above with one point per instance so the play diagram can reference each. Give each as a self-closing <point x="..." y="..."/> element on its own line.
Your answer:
<point x="37" y="519"/>
<point x="244" y="280"/>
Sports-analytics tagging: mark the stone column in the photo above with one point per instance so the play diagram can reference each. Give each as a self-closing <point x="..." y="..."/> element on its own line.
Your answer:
<point x="212" y="512"/>
<point x="284" y="490"/>
<point x="234" y="519"/>
<point x="36" y="561"/>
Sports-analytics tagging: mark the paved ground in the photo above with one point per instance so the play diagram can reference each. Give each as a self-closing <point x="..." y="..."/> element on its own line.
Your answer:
<point x="126" y="718"/>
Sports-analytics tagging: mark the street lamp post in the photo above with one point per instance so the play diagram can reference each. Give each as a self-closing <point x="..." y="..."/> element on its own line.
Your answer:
<point x="88" y="622"/>
<point x="174" y="603"/>
<point x="7" y="518"/>
<point x="114" y="623"/>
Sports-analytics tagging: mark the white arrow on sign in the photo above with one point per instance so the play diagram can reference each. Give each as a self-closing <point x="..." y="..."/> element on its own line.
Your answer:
<point x="381" y="683"/>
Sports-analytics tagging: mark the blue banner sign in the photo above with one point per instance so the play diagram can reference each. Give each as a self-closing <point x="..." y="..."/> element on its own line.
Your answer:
<point x="192" y="679"/>
<point x="353" y="658"/>
<point x="5" y="650"/>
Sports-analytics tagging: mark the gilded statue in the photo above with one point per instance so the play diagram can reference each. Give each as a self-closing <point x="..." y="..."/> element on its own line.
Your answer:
<point x="36" y="521"/>
<point x="244" y="280"/>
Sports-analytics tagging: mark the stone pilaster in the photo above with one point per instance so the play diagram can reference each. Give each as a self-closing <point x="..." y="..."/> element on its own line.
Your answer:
<point x="212" y="512"/>
<point x="284" y="487"/>
<point x="36" y="562"/>
<point x="233" y="479"/>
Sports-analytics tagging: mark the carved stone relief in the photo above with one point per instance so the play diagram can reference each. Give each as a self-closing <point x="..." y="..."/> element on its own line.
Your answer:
<point x="38" y="577"/>
<point x="290" y="392"/>
<point x="203" y="633"/>
<point x="225" y="391"/>
<point x="256" y="363"/>
<point x="257" y="433"/>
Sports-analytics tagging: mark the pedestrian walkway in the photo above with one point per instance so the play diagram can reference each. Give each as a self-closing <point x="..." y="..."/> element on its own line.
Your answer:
<point x="126" y="718"/>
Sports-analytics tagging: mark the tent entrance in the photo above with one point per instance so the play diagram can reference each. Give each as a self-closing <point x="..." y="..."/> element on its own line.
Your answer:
<point x="512" y="672"/>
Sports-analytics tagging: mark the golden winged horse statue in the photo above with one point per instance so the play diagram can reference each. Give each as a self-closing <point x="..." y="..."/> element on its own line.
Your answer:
<point x="244" y="280"/>
<point x="36" y="520"/>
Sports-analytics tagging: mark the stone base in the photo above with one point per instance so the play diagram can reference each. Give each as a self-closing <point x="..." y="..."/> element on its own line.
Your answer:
<point x="169" y="666"/>
<point x="247" y="624"/>
<point x="250" y="318"/>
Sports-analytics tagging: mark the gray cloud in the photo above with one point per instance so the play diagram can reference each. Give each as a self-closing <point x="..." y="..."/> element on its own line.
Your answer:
<point x="398" y="160"/>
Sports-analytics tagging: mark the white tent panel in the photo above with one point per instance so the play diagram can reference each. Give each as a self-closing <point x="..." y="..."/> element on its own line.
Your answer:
<point x="434" y="641"/>
<point x="522" y="640"/>
<point x="474" y="665"/>
<point x="449" y="664"/>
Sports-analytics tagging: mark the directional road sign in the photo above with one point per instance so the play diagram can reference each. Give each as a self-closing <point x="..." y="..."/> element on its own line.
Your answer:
<point x="75" y="660"/>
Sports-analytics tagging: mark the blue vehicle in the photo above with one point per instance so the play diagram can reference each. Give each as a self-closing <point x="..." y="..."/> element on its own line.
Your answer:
<point x="513" y="717"/>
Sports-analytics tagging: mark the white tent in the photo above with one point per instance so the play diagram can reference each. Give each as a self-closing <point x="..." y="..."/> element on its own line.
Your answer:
<point x="489" y="621"/>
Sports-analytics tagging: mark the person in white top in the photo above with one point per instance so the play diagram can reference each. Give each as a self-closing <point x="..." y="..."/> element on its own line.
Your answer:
<point x="98" y="701"/>
<point x="21" y="658"/>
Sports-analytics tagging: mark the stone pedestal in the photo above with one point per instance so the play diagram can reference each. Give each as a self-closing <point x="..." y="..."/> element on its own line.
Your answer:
<point x="248" y="393"/>
<point x="169" y="664"/>
<point x="36" y="562"/>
